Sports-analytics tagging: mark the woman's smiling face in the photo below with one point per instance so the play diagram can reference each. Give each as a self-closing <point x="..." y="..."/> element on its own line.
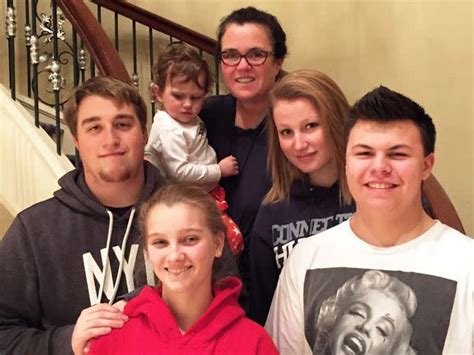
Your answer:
<point x="370" y="325"/>
<point x="249" y="82"/>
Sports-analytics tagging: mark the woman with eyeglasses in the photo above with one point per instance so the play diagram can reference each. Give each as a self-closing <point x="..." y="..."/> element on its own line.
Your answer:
<point x="251" y="49"/>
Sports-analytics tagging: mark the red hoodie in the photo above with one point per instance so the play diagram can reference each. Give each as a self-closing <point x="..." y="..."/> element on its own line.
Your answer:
<point x="152" y="328"/>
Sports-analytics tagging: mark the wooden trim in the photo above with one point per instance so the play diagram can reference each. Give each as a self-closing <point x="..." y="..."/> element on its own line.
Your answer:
<point x="160" y="24"/>
<point x="441" y="206"/>
<point x="100" y="48"/>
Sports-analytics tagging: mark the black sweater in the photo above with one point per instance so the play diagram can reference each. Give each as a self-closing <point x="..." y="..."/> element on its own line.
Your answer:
<point x="51" y="265"/>
<point x="245" y="191"/>
<point x="278" y="228"/>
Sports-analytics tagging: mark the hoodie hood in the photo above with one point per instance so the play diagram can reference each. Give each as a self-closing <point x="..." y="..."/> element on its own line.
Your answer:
<point x="223" y="312"/>
<point x="76" y="195"/>
<point x="221" y="329"/>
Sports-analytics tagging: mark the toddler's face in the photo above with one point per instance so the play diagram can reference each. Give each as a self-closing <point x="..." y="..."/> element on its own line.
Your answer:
<point x="182" y="99"/>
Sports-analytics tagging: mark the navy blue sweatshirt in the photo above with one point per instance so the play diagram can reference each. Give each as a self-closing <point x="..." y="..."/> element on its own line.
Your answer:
<point x="278" y="228"/>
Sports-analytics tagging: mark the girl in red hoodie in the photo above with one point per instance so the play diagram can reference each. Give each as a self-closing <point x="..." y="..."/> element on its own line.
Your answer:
<point x="193" y="311"/>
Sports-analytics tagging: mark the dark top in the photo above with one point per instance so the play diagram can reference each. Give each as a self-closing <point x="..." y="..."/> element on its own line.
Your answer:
<point x="51" y="265"/>
<point x="245" y="191"/>
<point x="278" y="228"/>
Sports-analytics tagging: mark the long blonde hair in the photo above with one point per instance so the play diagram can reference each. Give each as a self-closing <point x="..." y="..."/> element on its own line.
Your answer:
<point x="332" y="106"/>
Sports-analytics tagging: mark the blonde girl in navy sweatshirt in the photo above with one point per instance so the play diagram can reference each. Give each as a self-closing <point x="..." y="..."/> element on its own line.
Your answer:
<point x="306" y="161"/>
<point x="194" y="310"/>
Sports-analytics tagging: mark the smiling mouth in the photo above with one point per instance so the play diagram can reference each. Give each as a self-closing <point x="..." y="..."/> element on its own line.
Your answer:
<point x="178" y="271"/>
<point x="245" y="80"/>
<point x="380" y="186"/>
<point x="355" y="344"/>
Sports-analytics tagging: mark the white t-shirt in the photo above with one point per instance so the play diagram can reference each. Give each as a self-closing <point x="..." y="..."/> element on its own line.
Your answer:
<point x="437" y="266"/>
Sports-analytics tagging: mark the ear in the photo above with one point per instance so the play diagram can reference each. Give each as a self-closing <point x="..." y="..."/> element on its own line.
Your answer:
<point x="278" y="64"/>
<point x="75" y="141"/>
<point x="219" y="240"/>
<point x="158" y="93"/>
<point x="428" y="165"/>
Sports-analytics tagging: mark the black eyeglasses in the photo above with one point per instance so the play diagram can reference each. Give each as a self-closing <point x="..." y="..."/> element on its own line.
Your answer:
<point x="253" y="57"/>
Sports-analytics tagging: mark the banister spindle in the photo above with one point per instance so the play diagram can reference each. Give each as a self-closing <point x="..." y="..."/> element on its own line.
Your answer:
<point x="11" y="34"/>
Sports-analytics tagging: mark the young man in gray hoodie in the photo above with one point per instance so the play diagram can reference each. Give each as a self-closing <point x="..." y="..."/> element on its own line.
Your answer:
<point x="78" y="250"/>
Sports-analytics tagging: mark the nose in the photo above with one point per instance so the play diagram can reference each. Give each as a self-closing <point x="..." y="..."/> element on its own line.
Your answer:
<point x="366" y="326"/>
<point x="300" y="141"/>
<point x="175" y="254"/>
<point x="381" y="165"/>
<point x="111" y="137"/>
<point x="187" y="103"/>
<point x="243" y="64"/>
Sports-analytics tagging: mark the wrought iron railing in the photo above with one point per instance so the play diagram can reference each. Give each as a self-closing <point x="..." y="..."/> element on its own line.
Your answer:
<point x="49" y="51"/>
<point x="60" y="53"/>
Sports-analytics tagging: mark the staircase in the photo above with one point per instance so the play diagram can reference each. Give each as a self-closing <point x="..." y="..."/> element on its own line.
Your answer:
<point x="30" y="166"/>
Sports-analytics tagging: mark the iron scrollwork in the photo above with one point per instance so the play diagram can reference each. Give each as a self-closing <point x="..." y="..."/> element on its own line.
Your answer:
<point x="41" y="54"/>
<point x="55" y="77"/>
<point x="11" y="22"/>
<point x="27" y="36"/>
<point x="46" y="25"/>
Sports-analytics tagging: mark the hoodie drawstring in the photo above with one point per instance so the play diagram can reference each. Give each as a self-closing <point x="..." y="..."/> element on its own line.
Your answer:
<point x="106" y="261"/>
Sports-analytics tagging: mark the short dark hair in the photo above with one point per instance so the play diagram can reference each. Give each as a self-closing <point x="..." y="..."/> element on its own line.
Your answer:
<point x="178" y="60"/>
<point x="259" y="17"/>
<point x="106" y="87"/>
<point x="385" y="105"/>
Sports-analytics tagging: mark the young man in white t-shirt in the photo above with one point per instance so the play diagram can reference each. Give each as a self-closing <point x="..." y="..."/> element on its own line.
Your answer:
<point x="391" y="280"/>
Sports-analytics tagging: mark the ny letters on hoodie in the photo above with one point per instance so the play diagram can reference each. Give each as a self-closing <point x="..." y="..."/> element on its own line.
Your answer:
<point x="61" y="256"/>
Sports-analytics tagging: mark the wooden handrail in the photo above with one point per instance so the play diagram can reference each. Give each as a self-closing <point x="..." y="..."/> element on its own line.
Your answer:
<point x="441" y="205"/>
<point x="160" y="24"/>
<point x="100" y="48"/>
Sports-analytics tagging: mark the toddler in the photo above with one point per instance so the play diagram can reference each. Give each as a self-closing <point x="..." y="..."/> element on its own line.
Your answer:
<point x="178" y="144"/>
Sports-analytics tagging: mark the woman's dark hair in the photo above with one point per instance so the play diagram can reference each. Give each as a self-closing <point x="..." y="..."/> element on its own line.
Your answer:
<point x="258" y="17"/>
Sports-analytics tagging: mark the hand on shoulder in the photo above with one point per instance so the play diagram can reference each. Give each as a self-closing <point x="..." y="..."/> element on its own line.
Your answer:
<point x="96" y="321"/>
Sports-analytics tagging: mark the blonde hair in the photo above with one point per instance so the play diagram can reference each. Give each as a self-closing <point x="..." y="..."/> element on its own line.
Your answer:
<point x="332" y="106"/>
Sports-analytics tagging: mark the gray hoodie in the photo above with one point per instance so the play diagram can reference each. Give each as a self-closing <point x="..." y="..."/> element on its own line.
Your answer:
<point x="52" y="264"/>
